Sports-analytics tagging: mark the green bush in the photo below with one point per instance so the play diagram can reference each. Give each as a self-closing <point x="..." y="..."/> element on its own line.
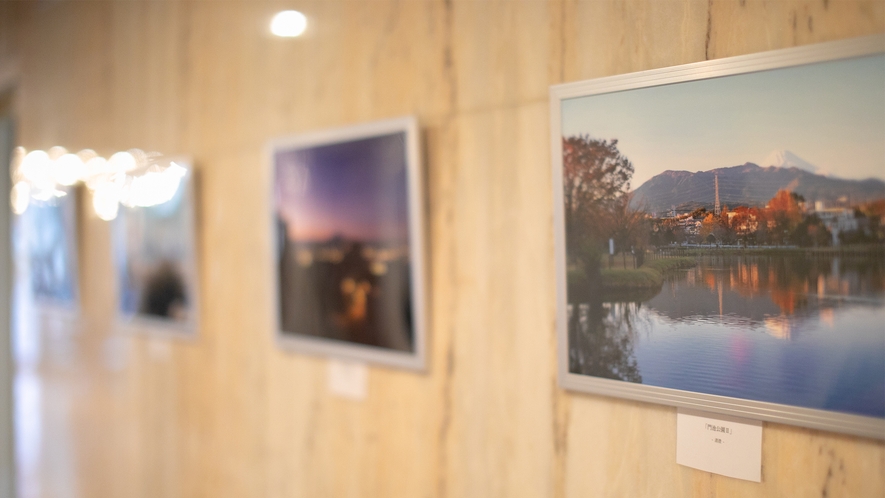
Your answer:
<point x="669" y="264"/>
<point x="640" y="278"/>
<point x="649" y="276"/>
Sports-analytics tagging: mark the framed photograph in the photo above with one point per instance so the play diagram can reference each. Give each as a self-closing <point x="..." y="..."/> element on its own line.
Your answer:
<point x="155" y="255"/>
<point x="349" y="243"/>
<point x="720" y="236"/>
<point x="45" y="239"/>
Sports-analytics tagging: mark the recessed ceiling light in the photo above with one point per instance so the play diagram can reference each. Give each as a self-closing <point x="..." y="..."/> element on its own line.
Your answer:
<point x="288" y="24"/>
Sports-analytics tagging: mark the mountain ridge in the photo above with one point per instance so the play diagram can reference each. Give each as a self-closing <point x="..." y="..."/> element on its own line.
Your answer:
<point x="747" y="184"/>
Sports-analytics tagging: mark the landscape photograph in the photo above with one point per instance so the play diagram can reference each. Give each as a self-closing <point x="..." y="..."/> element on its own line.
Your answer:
<point x="726" y="236"/>
<point x="342" y="221"/>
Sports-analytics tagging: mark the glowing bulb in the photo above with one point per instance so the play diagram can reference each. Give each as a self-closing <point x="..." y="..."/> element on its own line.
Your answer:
<point x="35" y="167"/>
<point x="288" y="24"/>
<point x="86" y="155"/>
<point x="123" y="161"/>
<point x="67" y="169"/>
<point x="176" y="169"/>
<point x="154" y="187"/>
<point x="97" y="166"/>
<point x="96" y="169"/>
<point x="15" y="165"/>
<point x="56" y="152"/>
<point x="20" y="197"/>
<point x="106" y="201"/>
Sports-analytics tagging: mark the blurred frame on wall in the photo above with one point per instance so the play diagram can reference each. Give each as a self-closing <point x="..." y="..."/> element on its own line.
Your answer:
<point x="46" y="256"/>
<point x="346" y="212"/>
<point x="155" y="256"/>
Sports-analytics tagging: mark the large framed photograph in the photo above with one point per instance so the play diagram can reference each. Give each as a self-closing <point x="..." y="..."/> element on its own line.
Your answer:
<point x="155" y="253"/>
<point x="720" y="240"/>
<point x="349" y="243"/>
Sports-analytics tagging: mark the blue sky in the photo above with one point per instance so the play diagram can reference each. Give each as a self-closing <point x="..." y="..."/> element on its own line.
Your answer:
<point x="830" y="114"/>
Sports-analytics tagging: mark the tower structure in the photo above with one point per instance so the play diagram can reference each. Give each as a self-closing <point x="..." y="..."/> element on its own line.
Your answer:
<point x="716" y="206"/>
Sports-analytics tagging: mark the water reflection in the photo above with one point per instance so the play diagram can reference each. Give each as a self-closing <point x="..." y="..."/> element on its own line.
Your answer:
<point x="601" y="337"/>
<point x="798" y="329"/>
<point x="772" y="293"/>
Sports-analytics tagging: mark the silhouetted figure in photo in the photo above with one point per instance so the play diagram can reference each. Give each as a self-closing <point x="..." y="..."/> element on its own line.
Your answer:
<point x="164" y="294"/>
<point x="355" y="284"/>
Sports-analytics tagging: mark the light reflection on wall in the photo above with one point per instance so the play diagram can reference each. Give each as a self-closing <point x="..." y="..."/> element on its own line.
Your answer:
<point x="133" y="178"/>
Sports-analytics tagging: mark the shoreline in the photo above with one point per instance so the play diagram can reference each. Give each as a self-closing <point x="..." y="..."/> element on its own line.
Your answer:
<point x="649" y="276"/>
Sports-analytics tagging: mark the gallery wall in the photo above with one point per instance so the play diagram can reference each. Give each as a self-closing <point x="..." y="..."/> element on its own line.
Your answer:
<point x="108" y="412"/>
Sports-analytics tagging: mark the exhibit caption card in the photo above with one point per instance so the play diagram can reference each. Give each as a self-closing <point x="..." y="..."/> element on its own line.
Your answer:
<point x="348" y="379"/>
<point x="728" y="446"/>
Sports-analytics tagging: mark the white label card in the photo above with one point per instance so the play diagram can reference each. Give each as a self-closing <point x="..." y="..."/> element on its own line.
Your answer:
<point x="720" y="444"/>
<point x="159" y="349"/>
<point x="348" y="379"/>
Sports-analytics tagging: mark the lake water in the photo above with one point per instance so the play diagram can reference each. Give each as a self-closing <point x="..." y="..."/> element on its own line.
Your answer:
<point x="792" y="329"/>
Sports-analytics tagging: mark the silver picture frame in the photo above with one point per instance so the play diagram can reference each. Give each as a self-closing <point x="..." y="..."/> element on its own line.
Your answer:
<point x="672" y="77"/>
<point x="317" y="332"/>
<point x="157" y="247"/>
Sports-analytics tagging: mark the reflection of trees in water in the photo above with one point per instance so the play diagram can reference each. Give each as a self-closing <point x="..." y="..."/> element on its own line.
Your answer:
<point x="783" y="295"/>
<point x="791" y="280"/>
<point x="601" y="338"/>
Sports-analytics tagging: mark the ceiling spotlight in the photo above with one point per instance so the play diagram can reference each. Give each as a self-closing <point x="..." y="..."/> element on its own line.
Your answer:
<point x="288" y="24"/>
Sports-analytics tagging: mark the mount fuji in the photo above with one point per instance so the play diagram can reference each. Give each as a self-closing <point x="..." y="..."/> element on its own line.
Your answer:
<point x="782" y="158"/>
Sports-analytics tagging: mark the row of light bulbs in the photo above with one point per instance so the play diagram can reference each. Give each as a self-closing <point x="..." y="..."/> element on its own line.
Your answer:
<point x="133" y="178"/>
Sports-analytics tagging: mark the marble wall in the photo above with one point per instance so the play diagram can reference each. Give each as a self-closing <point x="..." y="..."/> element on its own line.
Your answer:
<point x="103" y="412"/>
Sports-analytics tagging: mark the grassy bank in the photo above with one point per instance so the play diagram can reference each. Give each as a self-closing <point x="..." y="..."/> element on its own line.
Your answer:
<point x="649" y="276"/>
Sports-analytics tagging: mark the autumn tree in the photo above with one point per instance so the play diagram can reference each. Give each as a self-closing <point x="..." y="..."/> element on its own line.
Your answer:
<point x="708" y="227"/>
<point x="811" y="232"/>
<point x="628" y="227"/>
<point x="785" y="208"/>
<point x="596" y="176"/>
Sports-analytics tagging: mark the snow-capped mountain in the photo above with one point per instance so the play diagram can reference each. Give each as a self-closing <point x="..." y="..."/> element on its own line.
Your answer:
<point x="786" y="159"/>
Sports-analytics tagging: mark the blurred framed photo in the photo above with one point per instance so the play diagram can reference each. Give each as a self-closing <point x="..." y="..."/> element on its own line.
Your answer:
<point x="155" y="254"/>
<point x="720" y="235"/>
<point x="347" y="219"/>
<point x="45" y="239"/>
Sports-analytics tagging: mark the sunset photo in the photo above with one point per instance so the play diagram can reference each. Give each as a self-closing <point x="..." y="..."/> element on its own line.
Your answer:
<point x="343" y="241"/>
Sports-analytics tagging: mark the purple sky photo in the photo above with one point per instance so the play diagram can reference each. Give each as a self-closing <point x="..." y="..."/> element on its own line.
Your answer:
<point x="356" y="189"/>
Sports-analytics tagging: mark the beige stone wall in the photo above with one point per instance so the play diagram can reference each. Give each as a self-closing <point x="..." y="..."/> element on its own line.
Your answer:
<point x="231" y="415"/>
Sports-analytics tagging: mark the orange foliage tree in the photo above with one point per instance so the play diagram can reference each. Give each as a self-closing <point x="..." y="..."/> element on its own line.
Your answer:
<point x="596" y="178"/>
